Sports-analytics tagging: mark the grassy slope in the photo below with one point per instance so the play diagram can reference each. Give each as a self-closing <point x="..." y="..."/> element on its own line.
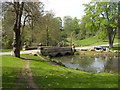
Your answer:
<point x="10" y="70"/>
<point x="92" y="41"/>
<point x="53" y="76"/>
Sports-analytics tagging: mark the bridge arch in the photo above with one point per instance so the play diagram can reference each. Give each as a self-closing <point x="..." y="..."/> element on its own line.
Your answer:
<point x="67" y="53"/>
<point x="58" y="54"/>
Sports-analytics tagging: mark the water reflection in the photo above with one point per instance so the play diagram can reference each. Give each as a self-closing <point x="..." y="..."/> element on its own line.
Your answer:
<point x="91" y="64"/>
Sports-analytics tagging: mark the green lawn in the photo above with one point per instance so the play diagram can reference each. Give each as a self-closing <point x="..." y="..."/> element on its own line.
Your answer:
<point x="116" y="47"/>
<point x="92" y="41"/>
<point x="11" y="67"/>
<point x="54" y="76"/>
<point x="5" y="50"/>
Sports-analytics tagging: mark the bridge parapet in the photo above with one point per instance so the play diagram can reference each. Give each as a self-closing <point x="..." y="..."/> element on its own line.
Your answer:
<point x="55" y="51"/>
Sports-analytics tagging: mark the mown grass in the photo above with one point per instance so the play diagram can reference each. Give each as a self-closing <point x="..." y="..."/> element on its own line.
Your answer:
<point x="5" y="50"/>
<point x="11" y="67"/>
<point x="54" y="76"/>
<point x="92" y="41"/>
<point x="116" y="47"/>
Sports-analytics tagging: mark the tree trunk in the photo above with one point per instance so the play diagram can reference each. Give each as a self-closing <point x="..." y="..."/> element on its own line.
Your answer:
<point x="17" y="25"/>
<point x="47" y="36"/>
<point x="16" y="42"/>
<point x="119" y="19"/>
<point x="110" y="38"/>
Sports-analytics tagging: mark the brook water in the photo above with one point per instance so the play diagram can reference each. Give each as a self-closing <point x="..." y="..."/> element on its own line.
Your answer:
<point x="91" y="63"/>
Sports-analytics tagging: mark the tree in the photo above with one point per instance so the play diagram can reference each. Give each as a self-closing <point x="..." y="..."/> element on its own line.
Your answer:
<point x="83" y="29"/>
<point x="7" y="29"/>
<point x="33" y="20"/>
<point x="59" y="22"/>
<point x="67" y="25"/>
<point x="49" y="33"/>
<point x="103" y="16"/>
<point x="119" y="19"/>
<point x="75" y="25"/>
<point x="16" y="29"/>
<point x="26" y="11"/>
<point x="71" y="27"/>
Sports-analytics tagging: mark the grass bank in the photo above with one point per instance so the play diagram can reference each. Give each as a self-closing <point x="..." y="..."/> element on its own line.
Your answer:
<point x="11" y="67"/>
<point x="47" y="75"/>
<point x="97" y="53"/>
<point x="92" y="41"/>
<point x="54" y="76"/>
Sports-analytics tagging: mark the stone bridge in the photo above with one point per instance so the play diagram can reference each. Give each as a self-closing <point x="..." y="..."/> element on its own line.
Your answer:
<point x="56" y="51"/>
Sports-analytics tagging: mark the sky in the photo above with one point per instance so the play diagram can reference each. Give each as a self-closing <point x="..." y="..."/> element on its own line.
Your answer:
<point x="61" y="8"/>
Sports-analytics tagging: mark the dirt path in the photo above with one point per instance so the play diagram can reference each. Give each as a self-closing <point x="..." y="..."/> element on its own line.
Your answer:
<point x="27" y="78"/>
<point x="27" y="73"/>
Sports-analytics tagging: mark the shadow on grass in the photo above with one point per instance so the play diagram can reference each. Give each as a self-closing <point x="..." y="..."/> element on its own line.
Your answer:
<point x="30" y="58"/>
<point x="73" y="82"/>
<point x="10" y="77"/>
<point x="116" y="48"/>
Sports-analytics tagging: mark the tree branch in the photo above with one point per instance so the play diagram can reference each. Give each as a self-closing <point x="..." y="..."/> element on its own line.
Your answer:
<point x="24" y="23"/>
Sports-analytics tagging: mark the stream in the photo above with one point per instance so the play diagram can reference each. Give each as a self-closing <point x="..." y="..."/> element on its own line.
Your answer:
<point x="94" y="64"/>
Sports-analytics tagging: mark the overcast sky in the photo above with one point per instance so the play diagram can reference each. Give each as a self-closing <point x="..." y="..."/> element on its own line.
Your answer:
<point x="61" y="8"/>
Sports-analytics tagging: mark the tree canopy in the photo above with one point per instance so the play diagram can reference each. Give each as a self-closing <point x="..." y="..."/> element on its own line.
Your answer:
<point x="102" y="16"/>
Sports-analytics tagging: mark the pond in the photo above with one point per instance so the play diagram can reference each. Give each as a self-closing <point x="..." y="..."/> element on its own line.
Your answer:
<point x="91" y="63"/>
